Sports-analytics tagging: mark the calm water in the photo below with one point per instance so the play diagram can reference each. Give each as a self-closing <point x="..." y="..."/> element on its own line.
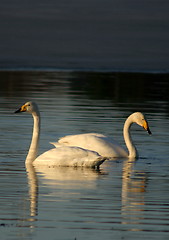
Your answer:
<point x="79" y="34"/>
<point x="124" y="200"/>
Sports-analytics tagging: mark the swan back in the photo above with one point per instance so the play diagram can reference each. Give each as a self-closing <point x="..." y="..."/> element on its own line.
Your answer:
<point x="69" y="157"/>
<point x="93" y="141"/>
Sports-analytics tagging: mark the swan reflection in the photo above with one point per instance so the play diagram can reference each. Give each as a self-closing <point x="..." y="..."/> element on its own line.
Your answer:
<point x="61" y="179"/>
<point x="133" y="189"/>
<point x="65" y="184"/>
<point x="67" y="177"/>
<point x="33" y="189"/>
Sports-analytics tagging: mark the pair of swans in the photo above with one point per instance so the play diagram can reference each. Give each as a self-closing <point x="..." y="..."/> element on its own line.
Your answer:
<point x="83" y="150"/>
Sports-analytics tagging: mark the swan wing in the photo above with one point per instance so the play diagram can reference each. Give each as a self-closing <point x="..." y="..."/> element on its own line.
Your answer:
<point x="69" y="156"/>
<point x="95" y="142"/>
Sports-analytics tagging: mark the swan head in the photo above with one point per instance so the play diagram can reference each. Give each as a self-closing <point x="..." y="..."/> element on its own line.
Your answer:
<point x="141" y="120"/>
<point x="30" y="107"/>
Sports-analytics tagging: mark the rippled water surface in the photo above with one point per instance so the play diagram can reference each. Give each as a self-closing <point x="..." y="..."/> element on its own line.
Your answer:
<point x="124" y="199"/>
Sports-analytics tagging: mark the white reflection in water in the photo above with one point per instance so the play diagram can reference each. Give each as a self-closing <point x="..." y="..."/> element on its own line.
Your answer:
<point x="59" y="177"/>
<point x="71" y="179"/>
<point x="33" y="189"/>
<point x="133" y="189"/>
<point x="71" y="199"/>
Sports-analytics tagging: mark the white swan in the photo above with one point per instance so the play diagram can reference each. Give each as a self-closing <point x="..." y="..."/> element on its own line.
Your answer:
<point x="104" y="145"/>
<point x="62" y="156"/>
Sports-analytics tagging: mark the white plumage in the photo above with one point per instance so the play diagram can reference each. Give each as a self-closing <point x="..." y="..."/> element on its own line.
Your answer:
<point x="106" y="146"/>
<point x="63" y="156"/>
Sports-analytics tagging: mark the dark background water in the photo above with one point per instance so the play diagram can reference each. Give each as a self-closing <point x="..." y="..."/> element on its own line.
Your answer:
<point x="115" y="86"/>
<point x="124" y="35"/>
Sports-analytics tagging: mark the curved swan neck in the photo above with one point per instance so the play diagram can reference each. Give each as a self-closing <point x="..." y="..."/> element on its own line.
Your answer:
<point x="33" y="150"/>
<point x="127" y="138"/>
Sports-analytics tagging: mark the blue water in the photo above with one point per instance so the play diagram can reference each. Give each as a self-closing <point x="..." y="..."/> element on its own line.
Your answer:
<point x="124" y="199"/>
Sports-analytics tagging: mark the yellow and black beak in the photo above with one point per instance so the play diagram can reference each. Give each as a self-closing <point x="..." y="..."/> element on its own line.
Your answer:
<point x="21" y="109"/>
<point x="146" y="127"/>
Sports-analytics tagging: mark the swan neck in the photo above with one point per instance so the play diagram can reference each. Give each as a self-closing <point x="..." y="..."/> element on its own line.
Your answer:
<point x="33" y="150"/>
<point x="128" y="140"/>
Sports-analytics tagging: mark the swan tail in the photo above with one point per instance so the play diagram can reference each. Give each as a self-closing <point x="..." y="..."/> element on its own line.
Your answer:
<point x="56" y="144"/>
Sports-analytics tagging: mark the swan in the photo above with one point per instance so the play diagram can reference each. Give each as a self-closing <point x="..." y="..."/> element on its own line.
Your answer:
<point x="63" y="156"/>
<point x="105" y="146"/>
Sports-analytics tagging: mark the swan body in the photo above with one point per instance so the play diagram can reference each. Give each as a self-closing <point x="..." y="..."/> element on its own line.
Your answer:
<point x="105" y="146"/>
<point x="63" y="156"/>
<point x="69" y="156"/>
<point x="95" y="142"/>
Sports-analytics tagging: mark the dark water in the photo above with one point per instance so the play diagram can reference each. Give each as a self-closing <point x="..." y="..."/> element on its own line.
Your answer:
<point x="124" y="200"/>
<point x="122" y="35"/>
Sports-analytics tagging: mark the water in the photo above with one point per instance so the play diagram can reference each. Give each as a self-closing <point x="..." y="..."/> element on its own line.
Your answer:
<point x="85" y="34"/>
<point x="124" y="199"/>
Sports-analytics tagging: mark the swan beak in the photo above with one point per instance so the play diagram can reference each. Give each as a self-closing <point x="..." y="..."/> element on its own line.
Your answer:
<point x="18" y="111"/>
<point x="146" y="127"/>
<point x="21" y="109"/>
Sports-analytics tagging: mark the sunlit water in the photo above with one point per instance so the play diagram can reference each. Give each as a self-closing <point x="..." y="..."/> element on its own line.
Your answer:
<point x="124" y="199"/>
